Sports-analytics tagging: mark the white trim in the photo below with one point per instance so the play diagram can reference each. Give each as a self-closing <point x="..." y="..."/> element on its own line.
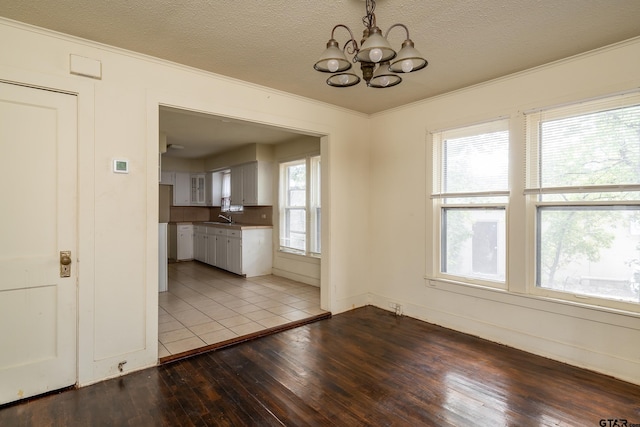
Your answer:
<point x="471" y="194"/>
<point x="583" y="189"/>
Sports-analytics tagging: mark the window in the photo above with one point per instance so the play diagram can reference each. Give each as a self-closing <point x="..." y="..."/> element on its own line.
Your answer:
<point x="583" y="184"/>
<point x="470" y="198"/>
<point x="226" y="191"/>
<point x="226" y="205"/>
<point x="300" y="206"/>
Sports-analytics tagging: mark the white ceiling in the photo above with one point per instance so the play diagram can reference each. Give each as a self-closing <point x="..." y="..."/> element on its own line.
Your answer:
<point x="275" y="43"/>
<point x="203" y="135"/>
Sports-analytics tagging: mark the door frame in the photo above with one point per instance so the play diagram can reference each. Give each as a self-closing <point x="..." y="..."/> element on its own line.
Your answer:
<point x="85" y="225"/>
<point x="219" y="107"/>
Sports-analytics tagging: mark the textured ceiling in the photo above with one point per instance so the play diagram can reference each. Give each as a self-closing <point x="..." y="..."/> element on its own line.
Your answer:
<point x="275" y="43"/>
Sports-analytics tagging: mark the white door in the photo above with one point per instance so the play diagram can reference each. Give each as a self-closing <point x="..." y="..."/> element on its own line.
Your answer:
<point x="38" y="176"/>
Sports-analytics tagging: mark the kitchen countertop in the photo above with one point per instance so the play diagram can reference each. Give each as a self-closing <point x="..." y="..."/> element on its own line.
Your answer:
<point x="233" y="226"/>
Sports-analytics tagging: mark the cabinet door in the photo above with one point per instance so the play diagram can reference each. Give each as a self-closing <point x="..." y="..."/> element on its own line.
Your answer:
<point x="221" y="252"/>
<point x="234" y="255"/>
<point x="182" y="189"/>
<point x="200" y="247"/>
<point x="211" y="250"/>
<point x="250" y="184"/>
<point x="185" y="242"/>
<point x="197" y="189"/>
<point x="237" y="191"/>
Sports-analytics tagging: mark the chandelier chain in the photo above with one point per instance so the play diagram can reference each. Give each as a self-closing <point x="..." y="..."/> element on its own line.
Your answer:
<point x="369" y="20"/>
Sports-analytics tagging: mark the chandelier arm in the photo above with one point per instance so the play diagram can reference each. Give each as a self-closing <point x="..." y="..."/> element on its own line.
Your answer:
<point x="386" y="35"/>
<point x="351" y="46"/>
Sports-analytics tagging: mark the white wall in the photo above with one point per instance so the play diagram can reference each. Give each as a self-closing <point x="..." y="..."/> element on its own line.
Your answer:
<point x="118" y="214"/>
<point x="402" y="228"/>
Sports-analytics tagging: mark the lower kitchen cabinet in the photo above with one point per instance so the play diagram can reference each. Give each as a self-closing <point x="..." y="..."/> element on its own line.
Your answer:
<point x="200" y="243"/>
<point x="221" y="248"/>
<point x="210" y="243"/>
<point x="246" y="251"/>
<point x="181" y="245"/>
<point x="234" y="251"/>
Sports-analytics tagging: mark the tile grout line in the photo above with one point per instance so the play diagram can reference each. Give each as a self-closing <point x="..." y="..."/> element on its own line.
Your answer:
<point x="194" y="284"/>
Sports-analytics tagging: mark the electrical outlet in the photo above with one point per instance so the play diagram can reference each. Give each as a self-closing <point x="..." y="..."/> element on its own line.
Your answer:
<point x="397" y="308"/>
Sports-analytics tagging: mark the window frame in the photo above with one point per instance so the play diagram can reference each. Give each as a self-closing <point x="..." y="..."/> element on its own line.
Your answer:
<point x="441" y="205"/>
<point x="535" y="191"/>
<point x="311" y="207"/>
<point x="225" y="191"/>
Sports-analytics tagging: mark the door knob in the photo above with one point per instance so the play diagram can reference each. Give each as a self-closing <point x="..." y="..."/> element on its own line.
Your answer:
<point x="65" y="263"/>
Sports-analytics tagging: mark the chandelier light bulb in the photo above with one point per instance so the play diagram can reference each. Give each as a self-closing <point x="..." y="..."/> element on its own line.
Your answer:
<point x="407" y="66"/>
<point x="333" y="65"/>
<point x="375" y="55"/>
<point x="384" y="81"/>
<point x="344" y="79"/>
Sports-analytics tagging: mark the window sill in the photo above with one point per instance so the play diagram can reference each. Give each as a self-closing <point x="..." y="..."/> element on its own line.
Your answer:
<point x="299" y="255"/>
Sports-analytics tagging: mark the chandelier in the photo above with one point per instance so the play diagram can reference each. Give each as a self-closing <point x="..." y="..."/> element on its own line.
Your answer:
<point x="379" y="63"/>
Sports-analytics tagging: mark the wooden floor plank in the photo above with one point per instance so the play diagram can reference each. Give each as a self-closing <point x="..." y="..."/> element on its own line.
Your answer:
<point x="360" y="368"/>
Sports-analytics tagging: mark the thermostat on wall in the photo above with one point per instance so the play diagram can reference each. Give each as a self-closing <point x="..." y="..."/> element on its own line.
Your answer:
<point x="121" y="166"/>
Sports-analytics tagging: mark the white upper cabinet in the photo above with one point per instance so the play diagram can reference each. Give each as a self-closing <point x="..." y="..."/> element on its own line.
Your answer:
<point x="182" y="189"/>
<point x="252" y="184"/>
<point x="237" y="185"/>
<point x="198" y="189"/>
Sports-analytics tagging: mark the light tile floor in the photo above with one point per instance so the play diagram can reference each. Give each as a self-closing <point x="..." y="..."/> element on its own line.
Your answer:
<point x="205" y="305"/>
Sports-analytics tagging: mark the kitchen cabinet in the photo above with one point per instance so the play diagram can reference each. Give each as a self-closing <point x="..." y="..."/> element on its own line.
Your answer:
<point x="234" y="251"/>
<point x="200" y="243"/>
<point x="181" y="242"/>
<point x="221" y="248"/>
<point x="243" y="251"/>
<point x="182" y="189"/>
<point x="237" y="182"/>
<point x="213" y="189"/>
<point x="210" y="239"/>
<point x="198" y="189"/>
<point x="252" y="184"/>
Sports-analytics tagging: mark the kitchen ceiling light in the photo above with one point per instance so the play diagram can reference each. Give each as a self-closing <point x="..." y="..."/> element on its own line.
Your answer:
<point x="379" y="63"/>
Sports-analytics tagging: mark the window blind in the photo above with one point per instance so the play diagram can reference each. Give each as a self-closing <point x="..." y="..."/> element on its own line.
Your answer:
<point x="587" y="147"/>
<point x="474" y="161"/>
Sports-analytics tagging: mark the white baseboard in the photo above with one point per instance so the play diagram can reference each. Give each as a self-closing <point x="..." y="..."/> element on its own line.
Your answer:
<point x="297" y="277"/>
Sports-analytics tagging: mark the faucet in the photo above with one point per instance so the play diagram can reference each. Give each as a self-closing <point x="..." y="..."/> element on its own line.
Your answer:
<point x="225" y="217"/>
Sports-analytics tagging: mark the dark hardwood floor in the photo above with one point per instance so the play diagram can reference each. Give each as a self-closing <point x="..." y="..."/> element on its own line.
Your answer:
<point x="363" y="367"/>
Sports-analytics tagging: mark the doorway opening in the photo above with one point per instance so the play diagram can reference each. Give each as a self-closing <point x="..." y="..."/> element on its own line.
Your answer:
<point x="209" y="297"/>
